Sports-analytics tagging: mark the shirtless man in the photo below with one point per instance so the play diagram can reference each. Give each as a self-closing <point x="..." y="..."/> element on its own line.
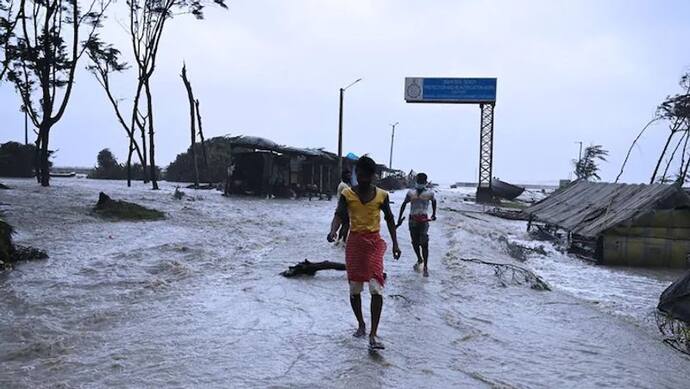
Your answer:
<point x="419" y="199"/>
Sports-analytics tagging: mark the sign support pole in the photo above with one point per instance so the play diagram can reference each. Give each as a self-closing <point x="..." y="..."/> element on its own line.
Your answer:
<point x="486" y="147"/>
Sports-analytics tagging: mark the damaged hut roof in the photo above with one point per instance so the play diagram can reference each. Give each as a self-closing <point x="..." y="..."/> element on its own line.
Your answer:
<point x="255" y="142"/>
<point x="258" y="143"/>
<point x="590" y="208"/>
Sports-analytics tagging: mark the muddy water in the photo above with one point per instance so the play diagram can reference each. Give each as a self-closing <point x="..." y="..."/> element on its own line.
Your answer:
<point x="195" y="300"/>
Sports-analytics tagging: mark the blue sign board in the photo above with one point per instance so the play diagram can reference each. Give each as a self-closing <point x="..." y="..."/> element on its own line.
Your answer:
<point x="450" y="90"/>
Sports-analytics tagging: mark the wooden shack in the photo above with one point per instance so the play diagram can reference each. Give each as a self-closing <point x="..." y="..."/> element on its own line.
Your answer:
<point x="628" y="225"/>
<point x="263" y="167"/>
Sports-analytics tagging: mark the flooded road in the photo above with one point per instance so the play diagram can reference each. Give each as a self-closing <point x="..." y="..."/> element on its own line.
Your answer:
<point x="196" y="300"/>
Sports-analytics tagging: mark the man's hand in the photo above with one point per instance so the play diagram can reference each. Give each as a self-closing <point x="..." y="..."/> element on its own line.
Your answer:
<point x="396" y="251"/>
<point x="332" y="236"/>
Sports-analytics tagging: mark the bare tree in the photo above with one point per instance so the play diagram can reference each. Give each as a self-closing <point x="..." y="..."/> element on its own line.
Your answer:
<point x="41" y="56"/>
<point x="147" y="21"/>
<point x="192" y="123"/>
<point x="104" y="61"/>
<point x="676" y="110"/>
<point x="201" y="137"/>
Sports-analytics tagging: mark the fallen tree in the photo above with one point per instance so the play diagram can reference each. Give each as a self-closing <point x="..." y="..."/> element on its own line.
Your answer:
<point x="511" y="274"/>
<point x="123" y="210"/>
<point x="506" y="273"/>
<point x="11" y="253"/>
<point x="310" y="268"/>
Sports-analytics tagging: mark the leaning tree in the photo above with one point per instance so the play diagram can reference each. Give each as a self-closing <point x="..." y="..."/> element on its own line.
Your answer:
<point x="43" y="41"/>
<point x="587" y="167"/>
<point x="675" y="111"/>
<point x="145" y="25"/>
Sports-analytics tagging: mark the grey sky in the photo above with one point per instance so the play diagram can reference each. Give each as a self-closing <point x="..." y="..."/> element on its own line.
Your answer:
<point x="567" y="71"/>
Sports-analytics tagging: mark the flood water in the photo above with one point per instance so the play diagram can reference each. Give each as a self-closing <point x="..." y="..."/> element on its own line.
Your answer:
<point x="196" y="301"/>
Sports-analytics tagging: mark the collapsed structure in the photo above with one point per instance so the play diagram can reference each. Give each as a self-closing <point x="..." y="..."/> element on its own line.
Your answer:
<point x="621" y="224"/>
<point x="261" y="166"/>
<point x="258" y="166"/>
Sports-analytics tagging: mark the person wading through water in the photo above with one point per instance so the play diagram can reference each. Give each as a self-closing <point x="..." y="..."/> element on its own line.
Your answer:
<point x="346" y="178"/>
<point x="365" y="248"/>
<point x="419" y="198"/>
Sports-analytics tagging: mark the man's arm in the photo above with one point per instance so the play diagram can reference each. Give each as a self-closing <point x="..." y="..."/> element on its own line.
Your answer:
<point x="402" y="209"/>
<point x="390" y="223"/>
<point x="338" y="218"/>
<point x="433" y="208"/>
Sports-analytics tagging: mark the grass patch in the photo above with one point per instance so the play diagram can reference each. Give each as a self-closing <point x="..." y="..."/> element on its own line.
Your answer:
<point x="123" y="210"/>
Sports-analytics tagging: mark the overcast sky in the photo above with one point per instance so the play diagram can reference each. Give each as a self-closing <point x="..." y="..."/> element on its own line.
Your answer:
<point x="590" y="71"/>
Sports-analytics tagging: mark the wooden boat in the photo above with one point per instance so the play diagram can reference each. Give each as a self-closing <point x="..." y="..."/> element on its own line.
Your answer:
<point x="505" y="190"/>
<point x="71" y="174"/>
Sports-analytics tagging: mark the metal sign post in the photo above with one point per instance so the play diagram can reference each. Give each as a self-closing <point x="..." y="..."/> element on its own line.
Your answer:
<point x="486" y="149"/>
<point x="480" y="91"/>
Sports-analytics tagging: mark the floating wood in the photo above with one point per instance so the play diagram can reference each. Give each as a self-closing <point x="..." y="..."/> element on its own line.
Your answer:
<point x="310" y="268"/>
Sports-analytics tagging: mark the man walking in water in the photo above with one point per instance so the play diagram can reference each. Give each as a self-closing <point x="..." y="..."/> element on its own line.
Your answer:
<point x="419" y="197"/>
<point x="365" y="248"/>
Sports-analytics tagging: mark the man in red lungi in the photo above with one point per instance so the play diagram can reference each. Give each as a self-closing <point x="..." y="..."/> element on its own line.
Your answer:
<point x="365" y="248"/>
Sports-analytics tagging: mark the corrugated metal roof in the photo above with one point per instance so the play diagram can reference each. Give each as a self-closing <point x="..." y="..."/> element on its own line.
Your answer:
<point x="590" y="208"/>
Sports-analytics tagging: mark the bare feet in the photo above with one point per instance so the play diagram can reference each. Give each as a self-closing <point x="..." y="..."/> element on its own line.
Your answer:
<point x="426" y="272"/>
<point x="361" y="331"/>
<point x="374" y="343"/>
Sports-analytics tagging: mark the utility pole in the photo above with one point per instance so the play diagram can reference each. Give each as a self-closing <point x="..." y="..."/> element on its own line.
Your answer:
<point x="340" y="133"/>
<point x="390" y="161"/>
<point x="340" y="125"/>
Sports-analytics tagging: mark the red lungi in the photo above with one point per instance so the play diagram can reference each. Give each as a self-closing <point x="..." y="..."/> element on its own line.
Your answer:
<point x="364" y="257"/>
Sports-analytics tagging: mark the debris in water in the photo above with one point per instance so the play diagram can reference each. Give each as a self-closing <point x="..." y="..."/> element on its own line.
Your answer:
<point x="673" y="314"/>
<point x="11" y="253"/>
<point x="310" y="268"/>
<point x="178" y="195"/>
<point x="511" y="274"/>
<point x="519" y="251"/>
<point x="123" y="210"/>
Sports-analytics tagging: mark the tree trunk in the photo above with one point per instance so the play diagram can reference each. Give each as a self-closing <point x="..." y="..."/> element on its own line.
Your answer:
<point x="192" y="118"/>
<point x="144" y="162"/>
<point x="203" y="141"/>
<point x="674" y="128"/>
<point x="37" y="159"/>
<point x="44" y="164"/>
<point x="152" y="154"/>
<point x="129" y="163"/>
<point x="661" y="157"/>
